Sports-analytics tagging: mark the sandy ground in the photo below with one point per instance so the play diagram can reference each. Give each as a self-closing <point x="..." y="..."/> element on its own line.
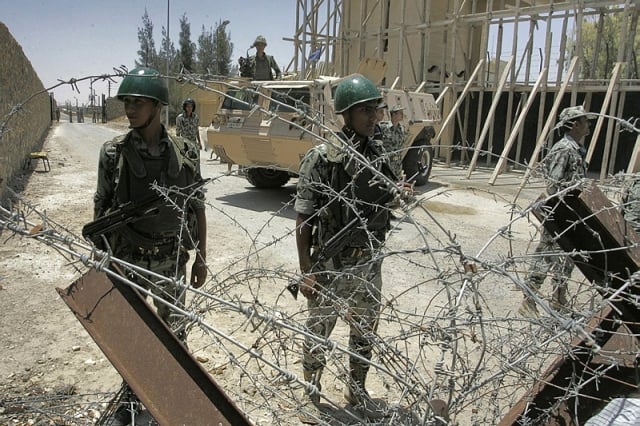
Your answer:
<point x="47" y="354"/>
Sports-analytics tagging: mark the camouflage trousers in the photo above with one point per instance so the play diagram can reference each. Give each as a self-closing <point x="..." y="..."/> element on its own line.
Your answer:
<point x="352" y="292"/>
<point x="170" y="267"/>
<point x="549" y="257"/>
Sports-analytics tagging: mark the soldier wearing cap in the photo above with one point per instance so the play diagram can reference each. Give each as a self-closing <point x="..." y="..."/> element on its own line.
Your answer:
<point x="564" y="166"/>
<point x="263" y="65"/>
<point x="335" y="188"/>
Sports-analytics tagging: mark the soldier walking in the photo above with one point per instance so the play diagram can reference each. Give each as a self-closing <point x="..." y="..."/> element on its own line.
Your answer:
<point x="188" y="122"/>
<point x="564" y="166"/>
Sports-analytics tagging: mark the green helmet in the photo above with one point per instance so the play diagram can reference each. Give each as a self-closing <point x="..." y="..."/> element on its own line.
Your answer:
<point x="354" y="90"/>
<point x="146" y="83"/>
<point x="260" y="39"/>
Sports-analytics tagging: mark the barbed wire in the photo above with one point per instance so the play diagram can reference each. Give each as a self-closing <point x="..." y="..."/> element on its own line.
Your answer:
<point x="447" y="332"/>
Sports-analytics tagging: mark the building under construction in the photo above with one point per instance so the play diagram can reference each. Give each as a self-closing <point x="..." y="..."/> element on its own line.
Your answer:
<point x="521" y="61"/>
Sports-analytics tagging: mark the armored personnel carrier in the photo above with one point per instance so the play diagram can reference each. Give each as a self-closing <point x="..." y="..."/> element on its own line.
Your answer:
<point x="266" y="127"/>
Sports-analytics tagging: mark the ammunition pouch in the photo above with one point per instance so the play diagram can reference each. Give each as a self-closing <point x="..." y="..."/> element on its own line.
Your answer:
<point x="139" y="245"/>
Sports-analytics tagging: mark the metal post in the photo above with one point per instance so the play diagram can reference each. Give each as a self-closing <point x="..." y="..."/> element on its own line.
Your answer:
<point x="166" y="111"/>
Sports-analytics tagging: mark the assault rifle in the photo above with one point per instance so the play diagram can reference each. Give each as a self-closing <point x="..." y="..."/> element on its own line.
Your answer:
<point x="339" y="240"/>
<point x="131" y="212"/>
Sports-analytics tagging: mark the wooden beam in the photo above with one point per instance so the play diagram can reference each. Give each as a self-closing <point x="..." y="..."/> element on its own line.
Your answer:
<point x="490" y="115"/>
<point x="516" y="128"/>
<point x="613" y="82"/>
<point x="550" y="120"/>
<point x="456" y="105"/>
<point x="634" y="163"/>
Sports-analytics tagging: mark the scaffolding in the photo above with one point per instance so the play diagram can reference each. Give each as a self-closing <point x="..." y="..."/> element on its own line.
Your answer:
<point x="523" y="60"/>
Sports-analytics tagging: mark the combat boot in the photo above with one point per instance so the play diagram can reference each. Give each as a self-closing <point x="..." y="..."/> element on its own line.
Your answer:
<point x="356" y="394"/>
<point x="528" y="308"/>
<point x="309" y="411"/>
<point x="559" y="301"/>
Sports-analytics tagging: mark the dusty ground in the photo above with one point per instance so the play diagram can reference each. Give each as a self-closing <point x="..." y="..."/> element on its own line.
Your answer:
<point x="47" y="355"/>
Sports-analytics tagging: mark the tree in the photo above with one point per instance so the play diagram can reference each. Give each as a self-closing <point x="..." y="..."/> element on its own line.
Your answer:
<point x="600" y="53"/>
<point x="206" y="53"/>
<point x="147" y="56"/>
<point x="223" y="49"/>
<point x="167" y="53"/>
<point x="187" y="47"/>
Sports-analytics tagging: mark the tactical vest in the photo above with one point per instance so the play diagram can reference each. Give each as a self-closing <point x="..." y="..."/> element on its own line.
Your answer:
<point x="134" y="176"/>
<point x="359" y="199"/>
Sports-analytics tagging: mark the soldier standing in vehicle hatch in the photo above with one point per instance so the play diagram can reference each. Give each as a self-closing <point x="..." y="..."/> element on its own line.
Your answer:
<point x="351" y="277"/>
<point x="127" y="167"/>
<point x="263" y="65"/>
<point x="564" y="166"/>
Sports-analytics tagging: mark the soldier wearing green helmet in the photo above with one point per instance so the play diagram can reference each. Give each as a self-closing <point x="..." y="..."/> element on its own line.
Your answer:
<point x="354" y="166"/>
<point x="128" y="166"/>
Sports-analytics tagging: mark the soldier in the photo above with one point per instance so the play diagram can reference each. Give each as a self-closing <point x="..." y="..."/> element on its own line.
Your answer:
<point x="564" y="166"/>
<point x="128" y="165"/>
<point x="187" y="123"/>
<point x="378" y="130"/>
<point x="263" y="65"/>
<point x="631" y="203"/>
<point x="394" y="137"/>
<point x="350" y="275"/>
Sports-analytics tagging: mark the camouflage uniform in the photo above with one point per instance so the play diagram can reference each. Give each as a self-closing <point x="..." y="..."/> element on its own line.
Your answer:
<point x="125" y="171"/>
<point x="188" y="126"/>
<point x="631" y="205"/>
<point x="350" y="282"/>
<point x="262" y="67"/>
<point x="564" y="166"/>
<point x="393" y="138"/>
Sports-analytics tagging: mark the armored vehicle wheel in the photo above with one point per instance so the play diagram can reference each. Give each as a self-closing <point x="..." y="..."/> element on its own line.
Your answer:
<point x="420" y="155"/>
<point x="262" y="177"/>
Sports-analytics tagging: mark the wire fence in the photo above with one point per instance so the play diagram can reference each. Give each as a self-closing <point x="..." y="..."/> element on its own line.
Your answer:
<point x="449" y="334"/>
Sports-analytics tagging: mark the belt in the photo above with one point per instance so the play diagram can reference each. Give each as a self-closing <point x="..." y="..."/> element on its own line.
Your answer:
<point x="355" y="252"/>
<point x="158" y="249"/>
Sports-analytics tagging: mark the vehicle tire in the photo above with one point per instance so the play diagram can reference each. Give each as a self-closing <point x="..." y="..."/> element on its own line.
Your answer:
<point x="263" y="177"/>
<point x="421" y="152"/>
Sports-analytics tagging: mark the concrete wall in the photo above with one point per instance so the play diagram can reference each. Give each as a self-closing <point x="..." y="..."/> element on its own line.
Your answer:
<point x="22" y="127"/>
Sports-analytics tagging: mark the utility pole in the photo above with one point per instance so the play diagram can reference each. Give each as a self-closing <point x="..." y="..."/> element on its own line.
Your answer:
<point x="166" y="49"/>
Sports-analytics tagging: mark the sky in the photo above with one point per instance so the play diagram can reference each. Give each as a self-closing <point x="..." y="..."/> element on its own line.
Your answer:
<point x="67" y="39"/>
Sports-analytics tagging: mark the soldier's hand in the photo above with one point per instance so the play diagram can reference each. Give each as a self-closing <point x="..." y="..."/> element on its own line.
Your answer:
<point x="308" y="286"/>
<point x="406" y="190"/>
<point x="198" y="274"/>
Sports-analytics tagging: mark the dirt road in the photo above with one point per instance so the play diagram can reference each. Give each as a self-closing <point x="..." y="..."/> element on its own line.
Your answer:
<point x="251" y="252"/>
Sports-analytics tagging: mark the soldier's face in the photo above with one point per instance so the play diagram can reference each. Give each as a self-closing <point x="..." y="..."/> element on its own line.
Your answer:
<point x="581" y="128"/>
<point x="362" y="118"/>
<point x="139" y="110"/>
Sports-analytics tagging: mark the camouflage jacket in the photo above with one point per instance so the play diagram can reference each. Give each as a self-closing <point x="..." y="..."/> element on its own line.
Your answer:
<point x="126" y="170"/>
<point x="181" y="153"/>
<point x="631" y="203"/>
<point x="188" y="126"/>
<point x="329" y="188"/>
<point x="564" y="164"/>
<point x="393" y="138"/>
<point x="263" y="68"/>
